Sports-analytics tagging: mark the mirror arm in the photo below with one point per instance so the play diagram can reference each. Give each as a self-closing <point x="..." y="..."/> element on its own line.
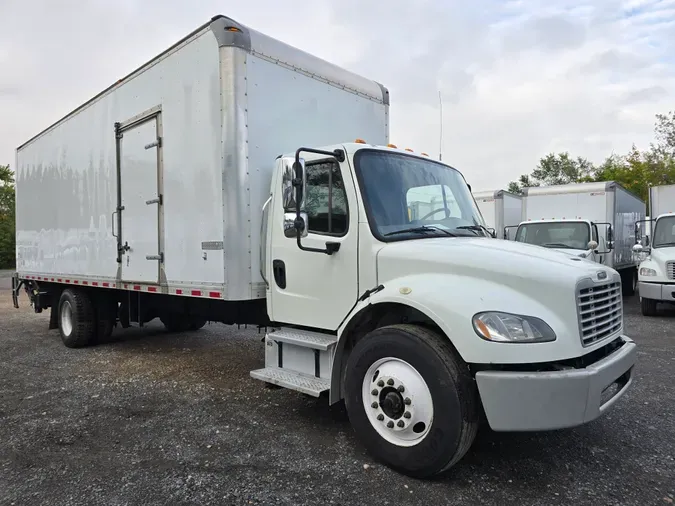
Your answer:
<point x="339" y="155"/>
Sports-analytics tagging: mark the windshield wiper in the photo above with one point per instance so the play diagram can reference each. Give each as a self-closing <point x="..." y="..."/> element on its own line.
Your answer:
<point x="476" y="228"/>
<point x="421" y="230"/>
<point x="556" y="245"/>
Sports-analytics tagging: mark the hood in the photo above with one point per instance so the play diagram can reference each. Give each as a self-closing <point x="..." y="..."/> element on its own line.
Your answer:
<point x="491" y="259"/>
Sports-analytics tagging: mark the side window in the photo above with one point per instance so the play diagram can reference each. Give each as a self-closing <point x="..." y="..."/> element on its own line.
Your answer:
<point x="326" y="199"/>
<point x="431" y="203"/>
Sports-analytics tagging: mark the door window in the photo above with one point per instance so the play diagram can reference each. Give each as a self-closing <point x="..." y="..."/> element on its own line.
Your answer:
<point x="325" y="199"/>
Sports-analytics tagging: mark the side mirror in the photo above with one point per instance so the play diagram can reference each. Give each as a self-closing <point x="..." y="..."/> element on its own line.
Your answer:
<point x="289" y="225"/>
<point x="592" y="245"/>
<point x="638" y="248"/>
<point x="293" y="190"/>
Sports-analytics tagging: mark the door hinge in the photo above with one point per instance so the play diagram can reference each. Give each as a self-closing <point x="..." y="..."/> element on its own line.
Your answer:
<point x="157" y="143"/>
<point x="159" y="200"/>
<point x="159" y="257"/>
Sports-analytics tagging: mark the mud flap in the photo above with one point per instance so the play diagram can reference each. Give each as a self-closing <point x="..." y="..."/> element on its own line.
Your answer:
<point x="16" y="286"/>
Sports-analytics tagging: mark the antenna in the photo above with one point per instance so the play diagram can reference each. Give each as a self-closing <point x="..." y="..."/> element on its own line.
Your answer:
<point x="440" y="141"/>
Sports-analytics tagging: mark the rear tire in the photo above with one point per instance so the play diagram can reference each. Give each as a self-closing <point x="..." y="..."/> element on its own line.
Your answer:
<point x="77" y="321"/>
<point x="648" y="306"/>
<point x="433" y="422"/>
<point x="629" y="280"/>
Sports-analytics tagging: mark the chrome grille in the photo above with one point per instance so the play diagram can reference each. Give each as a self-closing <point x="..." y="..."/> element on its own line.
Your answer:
<point x="600" y="310"/>
<point x="670" y="270"/>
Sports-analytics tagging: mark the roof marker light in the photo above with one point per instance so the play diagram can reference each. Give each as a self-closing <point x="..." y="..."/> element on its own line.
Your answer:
<point x="408" y="149"/>
<point x="360" y="141"/>
<point x="424" y="154"/>
<point x="392" y="146"/>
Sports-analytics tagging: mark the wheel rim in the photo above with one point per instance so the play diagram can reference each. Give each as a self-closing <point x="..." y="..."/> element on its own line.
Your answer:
<point x="397" y="401"/>
<point x="66" y="318"/>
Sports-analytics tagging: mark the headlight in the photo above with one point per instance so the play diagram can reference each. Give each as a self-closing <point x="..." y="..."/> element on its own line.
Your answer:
<point x="646" y="271"/>
<point x="510" y="328"/>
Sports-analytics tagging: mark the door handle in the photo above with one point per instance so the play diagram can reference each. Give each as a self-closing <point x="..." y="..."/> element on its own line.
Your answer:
<point x="158" y="200"/>
<point x="159" y="257"/>
<point x="279" y="269"/>
<point x="113" y="223"/>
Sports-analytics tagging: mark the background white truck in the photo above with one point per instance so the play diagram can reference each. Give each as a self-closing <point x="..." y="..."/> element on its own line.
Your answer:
<point x="595" y="221"/>
<point x="167" y="196"/>
<point x="656" y="275"/>
<point x="501" y="210"/>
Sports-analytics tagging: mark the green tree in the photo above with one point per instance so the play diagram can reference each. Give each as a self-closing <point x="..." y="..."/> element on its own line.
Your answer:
<point x="664" y="131"/>
<point x="7" y="217"/>
<point x="638" y="170"/>
<point x="555" y="169"/>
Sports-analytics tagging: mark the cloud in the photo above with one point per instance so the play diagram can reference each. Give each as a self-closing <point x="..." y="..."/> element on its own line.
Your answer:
<point x="518" y="78"/>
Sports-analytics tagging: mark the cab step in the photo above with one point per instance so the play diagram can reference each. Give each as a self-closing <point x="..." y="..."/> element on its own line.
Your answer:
<point x="314" y="340"/>
<point x="293" y="380"/>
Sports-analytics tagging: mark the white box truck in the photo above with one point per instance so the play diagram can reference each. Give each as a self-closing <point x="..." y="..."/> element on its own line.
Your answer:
<point x="594" y="221"/>
<point x="656" y="275"/>
<point x="501" y="210"/>
<point x="216" y="183"/>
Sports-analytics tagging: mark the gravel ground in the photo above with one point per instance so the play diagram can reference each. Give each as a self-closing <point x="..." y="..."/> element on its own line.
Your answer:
<point x="175" y="419"/>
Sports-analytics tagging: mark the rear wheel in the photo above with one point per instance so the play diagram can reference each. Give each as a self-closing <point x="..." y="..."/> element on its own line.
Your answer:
<point x="648" y="306"/>
<point x="411" y="400"/>
<point x="629" y="281"/>
<point x="77" y="322"/>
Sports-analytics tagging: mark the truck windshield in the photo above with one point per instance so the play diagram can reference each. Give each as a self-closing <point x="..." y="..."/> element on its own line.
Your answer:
<point x="664" y="232"/>
<point x="407" y="197"/>
<point x="566" y="235"/>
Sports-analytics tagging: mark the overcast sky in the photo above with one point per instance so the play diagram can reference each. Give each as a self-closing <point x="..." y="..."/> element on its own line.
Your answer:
<point x="519" y="78"/>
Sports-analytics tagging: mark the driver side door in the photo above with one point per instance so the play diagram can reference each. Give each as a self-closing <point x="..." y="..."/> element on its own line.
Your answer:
<point x="310" y="288"/>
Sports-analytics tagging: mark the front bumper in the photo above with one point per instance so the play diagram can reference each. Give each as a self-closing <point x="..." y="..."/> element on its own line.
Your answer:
<point x="656" y="291"/>
<point x="530" y="401"/>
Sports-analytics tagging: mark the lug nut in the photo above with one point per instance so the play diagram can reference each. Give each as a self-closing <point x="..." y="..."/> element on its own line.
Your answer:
<point x="401" y="388"/>
<point x="380" y="417"/>
<point x="407" y="401"/>
<point x="374" y="392"/>
<point x="406" y="414"/>
<point x="374" y="405"/>
<point x="400" y="423"/>
<point x="390" y="382"/>
<point x="380" y="383"/>
<point x="390" y="424"/>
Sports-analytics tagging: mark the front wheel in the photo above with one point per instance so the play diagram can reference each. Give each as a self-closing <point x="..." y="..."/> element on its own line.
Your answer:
<point x="411" y="400"/>
<point x="648" y="306"/>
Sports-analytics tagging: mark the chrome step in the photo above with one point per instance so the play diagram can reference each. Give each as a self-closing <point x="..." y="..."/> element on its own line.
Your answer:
<point x="293" y="380"/>
<point x="314" y="340"/>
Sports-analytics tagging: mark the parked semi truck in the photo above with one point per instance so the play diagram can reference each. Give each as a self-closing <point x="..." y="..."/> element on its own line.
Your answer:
<point x="501" y="210"/>
<point x="656" y="275"/>
<point x="215" y="184"/>
<point x="595" y="221"/>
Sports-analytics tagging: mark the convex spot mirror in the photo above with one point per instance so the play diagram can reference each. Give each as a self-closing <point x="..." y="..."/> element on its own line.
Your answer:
<point x="592" y="245"/>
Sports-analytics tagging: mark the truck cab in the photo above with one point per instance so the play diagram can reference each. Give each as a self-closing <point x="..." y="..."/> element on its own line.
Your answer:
<point x="423" y="323"/>
<point x="579" y="238"/>
<point x="656" y="275"/>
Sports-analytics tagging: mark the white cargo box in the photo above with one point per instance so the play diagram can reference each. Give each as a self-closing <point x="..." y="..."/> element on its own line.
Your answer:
<point x="603" y="203"/>
<point x="501" y="211"/>
<point x="173" y="164"/>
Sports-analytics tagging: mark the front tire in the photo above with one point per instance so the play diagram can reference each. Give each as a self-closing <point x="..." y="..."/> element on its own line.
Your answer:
<point x="411" y="400"/>
<point x="648" y="306"/>
<point x="77" y="321"/>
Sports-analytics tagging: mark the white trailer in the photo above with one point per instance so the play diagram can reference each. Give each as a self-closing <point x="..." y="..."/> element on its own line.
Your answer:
<point x="656" y="275"/>
<point x="168" y="196"/>
<point x="595" y="221"/>
<point x="501" y="210"/>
